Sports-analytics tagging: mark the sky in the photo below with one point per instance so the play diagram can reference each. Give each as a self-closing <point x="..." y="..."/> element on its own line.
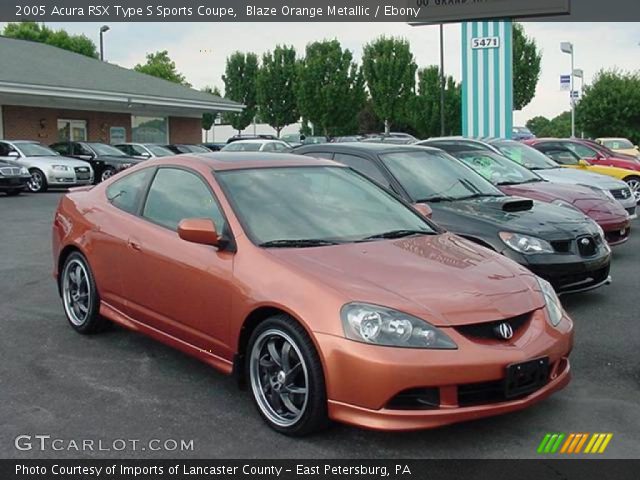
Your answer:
<point x="200" y="49"/>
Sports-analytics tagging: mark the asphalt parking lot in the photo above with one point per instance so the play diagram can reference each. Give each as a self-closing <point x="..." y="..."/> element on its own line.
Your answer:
<point x="120" y="385"/>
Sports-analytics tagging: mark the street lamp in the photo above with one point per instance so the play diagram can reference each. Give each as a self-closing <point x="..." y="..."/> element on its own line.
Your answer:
<point x="567" y="47"/>
<point x="442" y="81"/>
<point x="103" y="29"/>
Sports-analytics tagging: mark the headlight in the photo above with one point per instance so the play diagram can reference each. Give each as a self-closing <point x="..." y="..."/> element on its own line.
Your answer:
<point x="601" y="191"/>
<point x="383" y="326"/>
<point x="562" y="203"/>
<point x="525" y="244"/>
<point x="24" y="171"/>
<point x="60" y="168"/>
<point x="554" y="308"/>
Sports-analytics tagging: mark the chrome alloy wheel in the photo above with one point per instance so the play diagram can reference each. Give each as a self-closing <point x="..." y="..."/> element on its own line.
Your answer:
<point x="106" y="174"/>
<point x="279" y="377"/>
<point x="76" y="292"/>
<point x="634" y="186"/>
<point x="36" y="181"/>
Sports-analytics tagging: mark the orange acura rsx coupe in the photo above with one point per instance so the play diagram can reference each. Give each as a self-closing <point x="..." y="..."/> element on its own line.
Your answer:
<point x="326" y="295"/>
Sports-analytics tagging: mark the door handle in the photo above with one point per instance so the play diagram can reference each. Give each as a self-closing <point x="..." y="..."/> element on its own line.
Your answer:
<point x="134" y="245"/>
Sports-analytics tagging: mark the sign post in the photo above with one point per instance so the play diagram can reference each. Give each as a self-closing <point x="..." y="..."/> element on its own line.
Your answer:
<point x="487" y="79"/>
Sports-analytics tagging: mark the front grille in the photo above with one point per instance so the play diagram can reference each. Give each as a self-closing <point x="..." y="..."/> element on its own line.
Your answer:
<point x="587" y="246"/>
<point x="10" y="171"/>
<point x="579" y="280"/>
<point x="82" y="173"/>
<point x="621" y="193"/>
<point x="488" y="330"/>
<point x="631" y="211"/>
<point x="561" y="246"/>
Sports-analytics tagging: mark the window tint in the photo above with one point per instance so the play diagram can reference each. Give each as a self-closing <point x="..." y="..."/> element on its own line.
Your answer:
<point x="62" y="148"/>
<point x="582" y="151"/>
<point x="177" y="194"/>
<point x="127" y="192"/>
<point x="269" y="147"/>
<point x="80" y="149"/>
<point x="364" y="166"/>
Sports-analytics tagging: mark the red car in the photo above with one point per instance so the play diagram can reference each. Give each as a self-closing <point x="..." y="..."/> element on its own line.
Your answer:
<point x="585" y="149"/>
<point x="513" y="179"/>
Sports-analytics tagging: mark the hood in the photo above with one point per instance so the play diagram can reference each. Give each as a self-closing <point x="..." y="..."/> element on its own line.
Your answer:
<point x="486" y="217"/>
<point x="579" y="177"/>
<point x="443" y="279"/>
<point x="585" y="199"/>
<point x="56" y="160"/>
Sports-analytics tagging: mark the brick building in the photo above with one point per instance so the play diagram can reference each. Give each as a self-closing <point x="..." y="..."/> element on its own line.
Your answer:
<point x="49" y="94"/>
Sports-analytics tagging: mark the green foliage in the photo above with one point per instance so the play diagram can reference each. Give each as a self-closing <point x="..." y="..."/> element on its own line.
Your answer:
<point x="58" y="38"/>
<point x="160" y="65"/>
<point x="330" y="88"/>
<point x="276" y="88"/>
<point x="240" y="81"/>
<point x="526" y="67"/>
<point x="208" y="119"/>
<point x="559" y="126"/>
<point x="426" y="105"/>
<point x="610" y="107"/>
<point x="390" y="72"/>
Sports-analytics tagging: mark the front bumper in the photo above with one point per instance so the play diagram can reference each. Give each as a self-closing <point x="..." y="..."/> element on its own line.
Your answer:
<point x="616" y="232"/>
<point x="568" y="272"/>
<point x="8" y="184"/>
<point x="363" y="380"/>
<point x="62" y="179"/>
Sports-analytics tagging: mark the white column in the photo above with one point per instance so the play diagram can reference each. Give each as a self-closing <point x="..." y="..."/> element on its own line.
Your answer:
<point x="1" y="124"/>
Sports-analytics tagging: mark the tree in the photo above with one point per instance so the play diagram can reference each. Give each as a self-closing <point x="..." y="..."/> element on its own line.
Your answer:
<point x="426" y="105"/>
<point x="526" y="67"/>
<point x="160" y="65"/>
<point x="539" y="126"/>
<point x="611" y="106"/>
<point x="58" y="38"/>
<point x="390" y="73"/>
<point x="208" y="119"/>
<point x="240" y="80"/>
<point x="330" y="88"/>
<point x="559" y="126"/>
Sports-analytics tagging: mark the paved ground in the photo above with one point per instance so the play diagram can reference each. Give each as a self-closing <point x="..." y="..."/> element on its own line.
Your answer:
<point x="120" y="385"/>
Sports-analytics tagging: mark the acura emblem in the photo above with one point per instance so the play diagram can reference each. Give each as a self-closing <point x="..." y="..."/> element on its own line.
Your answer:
<point x="504" y="331"/>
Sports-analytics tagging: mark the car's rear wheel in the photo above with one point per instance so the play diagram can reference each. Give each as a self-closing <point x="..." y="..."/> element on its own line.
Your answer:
<point x="107" y="173"/>
<point x="80" y="295"/>
<point x="286" y="377"/>
<point x="38" y="181"/>
<point x="634" y="186"/>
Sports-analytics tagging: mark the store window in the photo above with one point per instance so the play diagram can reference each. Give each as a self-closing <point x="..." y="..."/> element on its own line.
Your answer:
<point x="149" y="129"/>
<point x="72" y="130"/>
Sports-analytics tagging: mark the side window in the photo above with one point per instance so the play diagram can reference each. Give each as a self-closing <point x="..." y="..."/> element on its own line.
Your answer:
<point x="327" y="155"/>
<point x="62" y="148"/>
<point x="128" y="149"/>
<point x="269" y="147"/>
<point x="80" y="149"/>
<point x="561" y="156"/>
<point x="127" y="192"/>
<point x="364" y="166"/>
<point x="177" y="194"/>
<point x="279" y="147"/>
<point x="582" y="151"/>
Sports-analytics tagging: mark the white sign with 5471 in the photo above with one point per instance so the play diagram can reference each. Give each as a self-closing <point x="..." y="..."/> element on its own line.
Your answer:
<point x="485" y="42"/>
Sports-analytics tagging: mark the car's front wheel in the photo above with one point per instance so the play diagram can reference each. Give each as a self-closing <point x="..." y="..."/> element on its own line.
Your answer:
<point x="80" y="295"/>
<point x="107" y="173"/>
<point x="286" y="377"/>
<point x="634" y="185"/>
<point x="38" y="182"/>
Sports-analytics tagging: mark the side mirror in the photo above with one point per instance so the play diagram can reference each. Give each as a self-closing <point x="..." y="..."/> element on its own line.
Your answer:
<point x="583" y="163"/>
<point x="13" y="154"/>
<point x="145" y="155"/>
<point x="423" y="209"/>
<point x="199" y="230"/>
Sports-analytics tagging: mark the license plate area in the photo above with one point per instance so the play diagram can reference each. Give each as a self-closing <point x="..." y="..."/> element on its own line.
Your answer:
<point x="526" y="377"/>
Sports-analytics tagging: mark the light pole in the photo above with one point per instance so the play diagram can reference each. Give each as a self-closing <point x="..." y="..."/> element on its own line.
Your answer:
<point x="442" y="81"/>
<point x="579" y="73"/>
<point x="567" y="47"/>
<point x="103" y="29"/>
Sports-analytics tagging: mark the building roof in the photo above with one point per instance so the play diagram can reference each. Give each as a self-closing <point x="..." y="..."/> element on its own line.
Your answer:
<point x="37" y="69"/>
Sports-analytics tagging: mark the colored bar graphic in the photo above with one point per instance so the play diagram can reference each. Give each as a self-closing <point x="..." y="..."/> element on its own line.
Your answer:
<point x="573" y="443"/>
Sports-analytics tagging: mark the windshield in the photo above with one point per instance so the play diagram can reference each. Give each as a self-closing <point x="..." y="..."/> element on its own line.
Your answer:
<point x="103" y="149"/>
<point x="430" y="176"/>
<point x="618" y="144"/>
<point x="197" y="149"/>
<point x="36" y="150"/>
<point x="159" y="151"/>
<point x="243" y="147"/>
<point x="321" y="203"/>
<point x="525" y="155"/>
<point x="497" y="169"/>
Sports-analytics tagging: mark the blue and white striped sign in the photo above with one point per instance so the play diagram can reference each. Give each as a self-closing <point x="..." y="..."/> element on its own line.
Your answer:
<point x="487" y="79"/>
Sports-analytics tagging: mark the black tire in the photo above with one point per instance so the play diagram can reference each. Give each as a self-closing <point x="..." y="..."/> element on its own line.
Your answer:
<point x="13" y="193"/>
<point x="107" y="173"/>
<point x="38" y="182"/>
<point x="313" y="415"/>
<point x="85" y="323"/>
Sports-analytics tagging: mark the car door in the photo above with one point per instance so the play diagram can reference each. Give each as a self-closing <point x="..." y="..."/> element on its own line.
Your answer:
<point x="175" y="286"/>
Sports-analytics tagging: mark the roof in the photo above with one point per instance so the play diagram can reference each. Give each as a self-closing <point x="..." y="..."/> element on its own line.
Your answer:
<point x="375" y="148"/>
<point x="240" y="160"/>
<point x="39" y="69"/>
